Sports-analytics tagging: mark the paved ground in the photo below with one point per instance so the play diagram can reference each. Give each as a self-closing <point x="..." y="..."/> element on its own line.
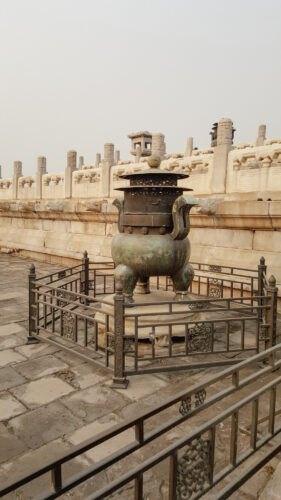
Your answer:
<point x="51" y="400"/>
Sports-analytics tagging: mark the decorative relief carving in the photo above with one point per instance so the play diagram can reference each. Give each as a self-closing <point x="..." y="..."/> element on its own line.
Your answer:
<point x="87" y="176"/>
<point x="5" y="183"/>
<point x="193" y="469"/>
<point x="55" y="179"/>
<point x="26" y="181"/>
<point x="199" y="338"/>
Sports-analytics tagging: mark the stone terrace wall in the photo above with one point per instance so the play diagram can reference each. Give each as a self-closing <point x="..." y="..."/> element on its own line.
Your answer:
<point x="55" y="217"/>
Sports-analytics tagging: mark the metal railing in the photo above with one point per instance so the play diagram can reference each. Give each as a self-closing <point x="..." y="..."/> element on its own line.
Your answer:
<point x="71" y="305"/>
<point x="208" y="413"/>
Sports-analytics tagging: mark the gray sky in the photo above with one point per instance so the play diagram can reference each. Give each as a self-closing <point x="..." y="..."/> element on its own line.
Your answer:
<point x="78" y="73"/>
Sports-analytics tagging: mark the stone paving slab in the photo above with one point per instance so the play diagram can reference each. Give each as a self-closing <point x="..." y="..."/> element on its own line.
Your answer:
<point x="86" y="375"/>
<point x="10" y="378"/>
<point x="10" y="329"/>
<point x="141" y="386"/>
<point x="9" y="406"/>
<point x="94" y="402"/>
<point x="9" y="296"/>
<point x="42" y="391"/>
<point x="11" y="445"/>
<point x="11" y="341"/>
<point x="35" y="350"/>
<point x="41" y="367"/>
<point x="8" y="357"/>
<point x="44" y="424"/>
<point x="102" y="451"/>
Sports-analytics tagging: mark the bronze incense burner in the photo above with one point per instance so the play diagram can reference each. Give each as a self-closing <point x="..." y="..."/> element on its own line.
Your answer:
<point x="153" y="224"/>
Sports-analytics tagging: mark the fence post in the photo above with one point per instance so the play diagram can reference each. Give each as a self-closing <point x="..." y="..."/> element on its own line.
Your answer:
<point x="31" y="303"/>
<point x="261" y="272"/>
<point x="119" y="379"/>
<point x="85" y="266"/>
<point x="271" y="316"/>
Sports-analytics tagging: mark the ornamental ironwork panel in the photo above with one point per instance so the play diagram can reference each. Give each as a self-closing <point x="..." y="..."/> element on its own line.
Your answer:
<point x="199" y="338"/>
<point x="64" y="295"/>
<point x="68" y="326"/>
<point x="187" y="403"/>
<point x="214" y="268"/>
<point x="197" y="305"/>
<point x="215" y="288"/>
<point x="193" y="469"/>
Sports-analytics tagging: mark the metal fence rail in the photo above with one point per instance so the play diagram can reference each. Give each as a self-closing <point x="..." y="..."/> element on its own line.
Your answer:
<point x="189" y="478"/>
<point x="70" y="305"/>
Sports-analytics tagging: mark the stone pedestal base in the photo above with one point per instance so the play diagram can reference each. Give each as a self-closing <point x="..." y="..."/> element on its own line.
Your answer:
<point x="153" y="326"/>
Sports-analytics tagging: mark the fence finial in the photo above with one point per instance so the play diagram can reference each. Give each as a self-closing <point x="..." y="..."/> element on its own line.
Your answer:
<point x="32" y="269"/>
<point x="85" y="254"/>
<point x="262" y="261"/>
<point x="118" y="287"/>
<point x="272" y="281"/>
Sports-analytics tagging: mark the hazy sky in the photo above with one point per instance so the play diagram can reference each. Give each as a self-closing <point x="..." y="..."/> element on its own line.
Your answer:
<point x="78" y="73"/>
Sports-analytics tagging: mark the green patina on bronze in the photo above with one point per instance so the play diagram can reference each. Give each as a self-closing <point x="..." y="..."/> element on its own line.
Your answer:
<point x="153" y="224"/>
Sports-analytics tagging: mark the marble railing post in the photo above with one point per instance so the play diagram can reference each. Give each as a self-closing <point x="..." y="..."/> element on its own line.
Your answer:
<point x="158" y="146"/>
<point x="41" y="170"/>
<point x="16" y="174"/>
<point x="81" y="162"/>
<point x="189" y="146"/>
<point x="224" y="145"/>
<point x="261" y="135"/>
<point x="98" y="159"/>
<point x="106" y="166"/>
<point x="71" y="167"/>
<point x="117" y="157"/>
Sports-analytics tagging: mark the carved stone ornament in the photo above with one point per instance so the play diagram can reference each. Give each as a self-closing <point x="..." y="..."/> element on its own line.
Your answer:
<point x="199" y="338"/>
<point x="193" y="469"/>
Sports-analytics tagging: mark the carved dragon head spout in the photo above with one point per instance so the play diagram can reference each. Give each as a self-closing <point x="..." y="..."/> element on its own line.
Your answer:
<point x="180" y="213"/>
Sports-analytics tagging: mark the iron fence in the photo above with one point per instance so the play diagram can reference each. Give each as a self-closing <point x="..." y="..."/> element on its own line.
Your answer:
<point x="215" y="439"/>
<point x="70" y="309"/>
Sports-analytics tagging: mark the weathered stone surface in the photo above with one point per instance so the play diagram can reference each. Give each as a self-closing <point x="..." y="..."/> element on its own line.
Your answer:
<point x="8" y="357"/>
<point x="140" y="387"/>
<point x="44" y="424"/>
<point x="272" y="491"/>
<point x="94" y="402"/>
<point x="25" y="463"/>
<point x="10" y="328"/>
<point x="86" y="376"/>
<point x="106" y="448"/>
<point x="42" y="391"/>
<point x="10" y="445"/>
<point x="10" y="378"/>
<point x="38" y="368"/>
<point x="36" y="350"/>
<point x="11" y="341"/>
<point x="10" y="407"/>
